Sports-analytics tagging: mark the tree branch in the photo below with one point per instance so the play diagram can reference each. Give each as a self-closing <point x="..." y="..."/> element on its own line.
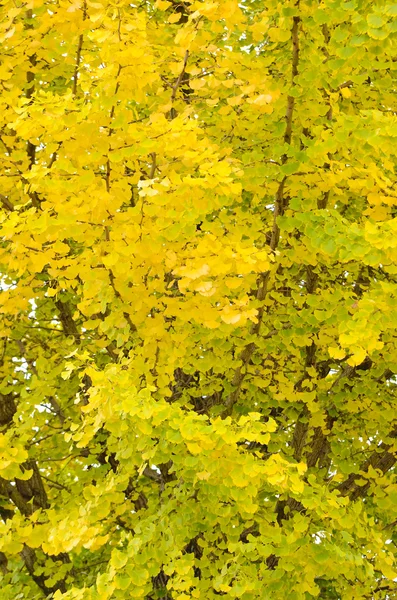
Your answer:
<point x="78" y="54"/>
<point x="245" y="356"/>
<point x="176" y="85"/>
<point x="381" y="459"/>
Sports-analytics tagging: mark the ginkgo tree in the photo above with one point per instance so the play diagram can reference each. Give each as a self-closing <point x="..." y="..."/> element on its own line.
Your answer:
<point x="198" y="261"/>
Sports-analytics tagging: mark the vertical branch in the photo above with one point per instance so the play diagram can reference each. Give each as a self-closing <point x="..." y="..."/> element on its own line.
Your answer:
<point x="112" y="111"/>
<point x="279" y="206"/>
<point x="173" y="113"/>
<point x="77" y="65"/>
<point x="65" y="315"/>
<point x="6" y="203"/>
<point x="302" y="426"/>
<point x="118" y="295"/>
<point x="29" y="557"/>
<point x="151" y="176"/>
<point x="31" y="148"/>
<point x="27" y="495"/>
<point x="54" y="155"/>
<point x="280" y="200"/>
<point x="54" y="403"/>
<point x="319" y="443"/>
<point x="78" y="54"/>
<point x="294" y="72"/>
<point x="154" y="165"/>
<point x="323" y="201"/>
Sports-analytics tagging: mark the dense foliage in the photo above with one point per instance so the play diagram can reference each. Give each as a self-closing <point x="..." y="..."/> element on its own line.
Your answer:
<point x="198" y="301"/>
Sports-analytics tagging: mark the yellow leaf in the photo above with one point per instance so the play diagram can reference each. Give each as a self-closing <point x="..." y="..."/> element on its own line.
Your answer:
<point x="174" y="18"/>
<point x="197" y="84"/>
<point x="162" y="4"/>
<point x="337" y="353"/>
<point x="231" y="317"/>
<point x="211" y="324"/>
<point x="194" y="448"/>
<point x="225" y="110"/>
<point x="235" y="100"/>
<point x="279" y="35"/>
<point x="359" y="354"/>
<point x="234" y="282"/>
<point x="205" y="288"/>
<point x="261" y="100"/>
<point x="388" y="572"/>
<point x="191" y="273"/>
<point x="203" y="476"/>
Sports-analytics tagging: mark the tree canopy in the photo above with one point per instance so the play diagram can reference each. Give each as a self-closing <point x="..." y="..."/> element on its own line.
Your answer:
<point x="198" y="236"/>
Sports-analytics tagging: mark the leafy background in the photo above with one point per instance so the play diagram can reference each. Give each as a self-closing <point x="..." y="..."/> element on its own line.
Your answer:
<point x="198" y="258"/>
